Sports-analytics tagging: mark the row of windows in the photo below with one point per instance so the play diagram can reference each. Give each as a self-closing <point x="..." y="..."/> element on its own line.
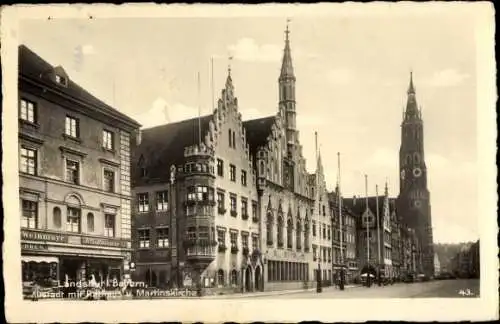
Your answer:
<point x="233" y="205"/>
<point x="28" y="112"/>
<point x="289" y="236"/>
<point x="325" y="253"/>
<point x="161" y="201"/>
<point x="161" y="238"/>
<point x="233" y="239"/>
<point x="28" y="159"/>
<point x="232" y="172"/>
<point x="30" y="219"/>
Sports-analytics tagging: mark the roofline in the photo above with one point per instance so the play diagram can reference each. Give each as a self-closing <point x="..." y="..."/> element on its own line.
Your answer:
<point x="177" y="122"/>
<point x="258" y="119"/>
<point x="114" y="113"/>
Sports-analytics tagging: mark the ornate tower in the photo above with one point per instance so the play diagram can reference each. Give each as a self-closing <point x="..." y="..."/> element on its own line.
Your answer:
<point x="414" y="197"/>
<point x="287" y="108"/>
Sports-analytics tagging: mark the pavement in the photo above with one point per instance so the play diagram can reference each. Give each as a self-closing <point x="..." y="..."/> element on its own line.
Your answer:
<point x="462" y="288"/>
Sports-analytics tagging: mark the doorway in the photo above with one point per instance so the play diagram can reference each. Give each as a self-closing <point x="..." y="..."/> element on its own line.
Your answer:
<point x="248" y="279"/>
<point x="258" y="278"/>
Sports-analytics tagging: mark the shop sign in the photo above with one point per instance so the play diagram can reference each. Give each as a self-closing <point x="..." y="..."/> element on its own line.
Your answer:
<point x="43" y="236"/>
<point x="104" y="242"/>
<point x="34" y="246"/>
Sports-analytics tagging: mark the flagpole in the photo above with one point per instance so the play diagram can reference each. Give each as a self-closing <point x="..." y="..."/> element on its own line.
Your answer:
<point x="316" y="203"/>
<point x="199" y="110"/>
<point x="378" y="235"/>
<point x="212" y="81"/>
<point x="367" y="235"/>
<point x="342" y="274"/>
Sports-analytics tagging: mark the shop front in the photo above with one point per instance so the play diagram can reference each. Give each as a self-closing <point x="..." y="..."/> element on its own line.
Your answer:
<point x="53" y="260"/>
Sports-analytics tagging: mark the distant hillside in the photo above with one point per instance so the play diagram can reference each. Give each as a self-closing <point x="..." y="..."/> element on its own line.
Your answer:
<point x="446" y="251"/>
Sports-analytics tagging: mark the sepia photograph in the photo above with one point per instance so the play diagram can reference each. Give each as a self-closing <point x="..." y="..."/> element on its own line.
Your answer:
<point x="266" y="162"/>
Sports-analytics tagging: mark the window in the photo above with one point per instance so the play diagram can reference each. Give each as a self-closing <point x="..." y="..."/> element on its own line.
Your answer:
<point x="28" y="161"/>
<point x="306" y="235"/>
<point x="324" y="210"/>
<point x="220" y="167"/>
<point x="29" y="214"/>
<point x="162" y="237"/>
<point x="232" y="199"/>
<point x="162" y="200"/>
<point x="229" y="133"/>
<point x="254" y="212"/>
<point x="220" y="277"/>
<point x="324" y="231"/>
<point x="220" y="203"/>
<point x="269" y="228"/>
<point x="61" y="80"/>
<point x="191" y="233"/>
<point x="143" y="238"/>
<point x="244" y="240"/>
<point x="204" y="233"/>
<point x="73" y="220"/>
<point x="234" y="139"/>
<point x="27" y="111"/>
<point x="234" y="277"/>
<point x="244" y="178"/>
<point x="109" y="181"/>
<point x="329" y="233"/>
<point x="107" y="140"/>
<point x="314" y="252"/>
<point x="109" y="225"/>
<point x="244" y="208"/>
<point x="255" y="242"/>
<point x="221" y="237"/>
<point x="143" y="202"/>
<point x="232" y="172"/>
<point x="200" y="193"/>
<point x="298" y="235"/>
<point x="72" y="127"/>
<point x="289" y="233"/>
<point x="314" y="228"/>
<point x="56" y="215"/>
<point x="90" y="222"/>
<point x="234" y="241"/>
<point x="280" y="231"/>
<point x="72" y="171"/>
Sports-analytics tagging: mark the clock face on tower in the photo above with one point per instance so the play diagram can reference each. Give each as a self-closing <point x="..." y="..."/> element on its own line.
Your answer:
<point x="417" y="203"/>
<point x="417" y="172"/>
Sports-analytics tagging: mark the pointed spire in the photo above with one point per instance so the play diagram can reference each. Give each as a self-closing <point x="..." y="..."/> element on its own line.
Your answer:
<point x="229" y="80"/>
<point x="411" y="111"/>
<point x="411" y="87"/>
<point x="386" y="191"/>
<point x="286" y="66"/>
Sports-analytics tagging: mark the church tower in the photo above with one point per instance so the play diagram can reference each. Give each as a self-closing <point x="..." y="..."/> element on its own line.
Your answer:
<point x="287" y="108"/>
<point x="414" y="197"/>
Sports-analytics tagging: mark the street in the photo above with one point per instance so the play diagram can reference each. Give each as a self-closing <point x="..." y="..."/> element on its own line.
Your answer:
<point x="461" y="288"/>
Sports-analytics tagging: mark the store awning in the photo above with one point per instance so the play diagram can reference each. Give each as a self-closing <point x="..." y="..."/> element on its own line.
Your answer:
<point x="39" y="259"/>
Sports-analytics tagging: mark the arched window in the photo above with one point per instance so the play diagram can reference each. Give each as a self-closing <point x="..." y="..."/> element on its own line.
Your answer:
<point x="220" y="277"/>
<point x="56" y="215"/>
<point x="269" y="228"/>
<point x="289" y="233"/>
<point x="408" y="159"/>
<point x="280" y="231"/>
<point x="90" y="222"/>
<point x="306" y="234"/>
<point x="262" y="168"/>
<point x="416" y="158"/>
<point x="234" y="277"/>
<point x="298" y="236"/>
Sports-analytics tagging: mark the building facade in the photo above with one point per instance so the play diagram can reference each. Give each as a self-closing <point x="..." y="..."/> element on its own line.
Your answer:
<point x="74" y="178"/>
<point x="414" y="196"/>
<point x="241" y="211"/>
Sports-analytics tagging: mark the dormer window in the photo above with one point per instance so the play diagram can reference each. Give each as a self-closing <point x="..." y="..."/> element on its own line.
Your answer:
<point x="61" y="80"/>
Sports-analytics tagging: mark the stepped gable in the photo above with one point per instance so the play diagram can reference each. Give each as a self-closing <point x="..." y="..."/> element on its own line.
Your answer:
<point x="33" y="67"/>
<point x="164" y="145"/>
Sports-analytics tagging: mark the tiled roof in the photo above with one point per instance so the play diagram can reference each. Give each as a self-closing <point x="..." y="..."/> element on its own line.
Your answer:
<point x="257" y="131"/>
<point x="37" y="69"/>
<point x="334" y="203"/>
<point x="164" y="145"/>
<point x="360" y="206"/>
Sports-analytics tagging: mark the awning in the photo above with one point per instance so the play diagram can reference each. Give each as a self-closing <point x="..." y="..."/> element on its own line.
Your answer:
<point x="39" y="259"/>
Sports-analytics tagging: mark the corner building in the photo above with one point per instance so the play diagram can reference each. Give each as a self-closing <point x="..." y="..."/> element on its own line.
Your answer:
<point x="74" y="178"/>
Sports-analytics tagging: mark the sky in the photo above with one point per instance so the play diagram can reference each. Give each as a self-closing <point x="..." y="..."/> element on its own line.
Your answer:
<point x="352" y="75"/>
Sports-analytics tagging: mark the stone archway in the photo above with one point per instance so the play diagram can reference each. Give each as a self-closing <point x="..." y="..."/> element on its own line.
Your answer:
<point x="248" y="279"/>
<point x="258" y="279"/>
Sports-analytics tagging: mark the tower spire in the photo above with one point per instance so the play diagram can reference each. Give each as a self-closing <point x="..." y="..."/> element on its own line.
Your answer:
<point x="287" y="66"/>
<point x="411" y="87"/>
<point x="411" y="104"/>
